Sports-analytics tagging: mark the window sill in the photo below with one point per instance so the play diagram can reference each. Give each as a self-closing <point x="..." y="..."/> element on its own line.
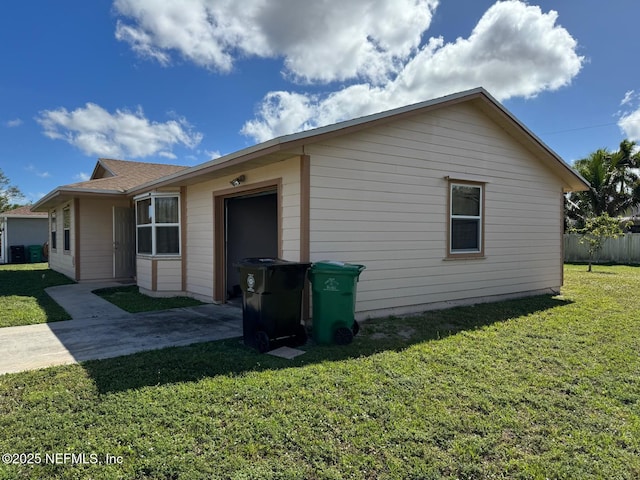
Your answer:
<point x="464" y="257"/>
<point x="159" y="257"/>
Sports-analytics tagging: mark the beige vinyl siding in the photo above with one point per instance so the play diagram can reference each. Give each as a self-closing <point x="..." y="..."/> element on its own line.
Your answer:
<point x="200" y="254"/>
<point x="59" y="260"/>
<point x="96" y="232"/>
<point x="169" y="275"/>
<point x="379" y="197"/>
<point x="144" y="277"/>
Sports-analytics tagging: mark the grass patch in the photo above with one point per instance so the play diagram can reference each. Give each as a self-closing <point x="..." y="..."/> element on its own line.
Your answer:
<point x="23" y="300"/>
<point x="543" y="387"/>
<point x="131" y="300"/>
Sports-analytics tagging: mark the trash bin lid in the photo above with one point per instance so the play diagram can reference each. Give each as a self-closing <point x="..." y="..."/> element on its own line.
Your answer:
<point x="336" y="266"/>
<point x="262" y="261"/>
<point x="259" y="262"/>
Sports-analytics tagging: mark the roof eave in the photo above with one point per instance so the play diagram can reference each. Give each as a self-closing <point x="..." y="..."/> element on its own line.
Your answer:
<point x="288" y="143"/>
<point x="39" y="206"/>
<point x="22" y="216"/>
<point x="294" y="140"/>
<point x="227" y="161"/>
<point x="46" y="202"/>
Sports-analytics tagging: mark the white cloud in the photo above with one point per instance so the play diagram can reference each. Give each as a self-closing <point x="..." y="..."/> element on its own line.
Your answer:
<point x="281" y="113"/>
<point x="319" y="41"/>
<point x="35" y="171"/>
<point x="212" y="154"/>
<point x="515" y="50"/>
<point x="374" y="47"/>
<point x="82" y="177"/>
<point x="630" y="125"/>
<point x="629" y="121"/>
<point x="123" y="134"/>
<point x="14" y="123"/>
<point x="628" y="97"/>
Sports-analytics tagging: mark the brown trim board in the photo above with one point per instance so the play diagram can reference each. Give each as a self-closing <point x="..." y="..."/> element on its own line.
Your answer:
<point x="76" y="239"/>
<point x="561" y="239"/>
<point x="305" y="227"/>
<point x="183" y="236"/>
<point x="154" y="275"/>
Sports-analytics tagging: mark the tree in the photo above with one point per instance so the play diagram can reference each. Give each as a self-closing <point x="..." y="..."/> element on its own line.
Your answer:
<point x="623" y="163"/>
<point x="615" y="185"/>
<point x="8" y="193"/>
<point x="595" y="231"/>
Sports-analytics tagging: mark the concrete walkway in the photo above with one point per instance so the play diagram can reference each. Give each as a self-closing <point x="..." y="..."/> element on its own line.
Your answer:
<point x="99" y="329"/>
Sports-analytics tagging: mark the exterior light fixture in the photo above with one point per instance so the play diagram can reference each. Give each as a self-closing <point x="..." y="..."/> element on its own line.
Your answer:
<point x="237" y="181"/>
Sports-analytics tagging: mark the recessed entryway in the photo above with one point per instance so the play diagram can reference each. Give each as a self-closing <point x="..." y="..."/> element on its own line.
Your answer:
<point x="247" y="225"/>
<point x="251" y="231"/>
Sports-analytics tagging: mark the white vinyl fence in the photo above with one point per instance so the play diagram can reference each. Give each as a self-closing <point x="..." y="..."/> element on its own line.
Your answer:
<point x="625" y="249"/>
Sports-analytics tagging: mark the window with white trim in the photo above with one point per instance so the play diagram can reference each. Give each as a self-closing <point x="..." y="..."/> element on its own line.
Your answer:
<point x="466" y="220"/>
<point x="54" y="238"/>
<point x="158" y="225"/>
<point x="66" y="228"/>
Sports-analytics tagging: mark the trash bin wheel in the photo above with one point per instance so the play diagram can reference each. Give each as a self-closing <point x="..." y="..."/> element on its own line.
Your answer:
<point x="262" y="341"/>
<point x="343" y="336"/>
<point x="355" y="328"/>
<point x="301" y="335"/>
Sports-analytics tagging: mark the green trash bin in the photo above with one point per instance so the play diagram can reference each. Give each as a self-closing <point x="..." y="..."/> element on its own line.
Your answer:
<point x="35" y="253"/>
<point x="333" y="287"/>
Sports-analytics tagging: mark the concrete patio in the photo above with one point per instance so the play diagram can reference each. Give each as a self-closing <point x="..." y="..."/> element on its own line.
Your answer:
<point x="99" y="330"/>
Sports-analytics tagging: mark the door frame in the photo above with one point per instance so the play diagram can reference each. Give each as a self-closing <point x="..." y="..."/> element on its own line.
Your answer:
<point x="219" y="228"/>
<point x="3" y="240"/>
<point x="114" y="240"/>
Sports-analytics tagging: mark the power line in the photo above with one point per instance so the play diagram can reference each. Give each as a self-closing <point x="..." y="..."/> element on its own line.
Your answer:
<point x="580" y="128"/>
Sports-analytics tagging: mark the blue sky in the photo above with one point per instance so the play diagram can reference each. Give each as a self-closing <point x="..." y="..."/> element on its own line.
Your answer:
<point x="185" y="81"/>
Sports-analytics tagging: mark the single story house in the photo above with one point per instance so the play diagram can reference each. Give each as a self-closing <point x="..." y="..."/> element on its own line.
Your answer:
<point x="21" y="227"/>
<point x="448" y="201"/>
<point x="91" y="224"/>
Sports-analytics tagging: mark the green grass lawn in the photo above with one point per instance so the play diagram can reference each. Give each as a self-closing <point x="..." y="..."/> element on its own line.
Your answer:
<point x="131" y="300"/>
<point x="544" y="387"/>
<point x="23" y="300"/>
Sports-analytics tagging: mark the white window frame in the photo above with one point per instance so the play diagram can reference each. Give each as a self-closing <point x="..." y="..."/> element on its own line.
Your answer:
<point x="54" y="230"/>
<point x="466" y="253"/>
<point x="66" y="229"/>
<point x="153" y="225"/>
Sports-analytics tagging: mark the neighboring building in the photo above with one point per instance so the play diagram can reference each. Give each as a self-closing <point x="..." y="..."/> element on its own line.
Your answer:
<point x="632" y="221"/>
<point x="21" y="228"/>
<point x="446" y="202"/>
